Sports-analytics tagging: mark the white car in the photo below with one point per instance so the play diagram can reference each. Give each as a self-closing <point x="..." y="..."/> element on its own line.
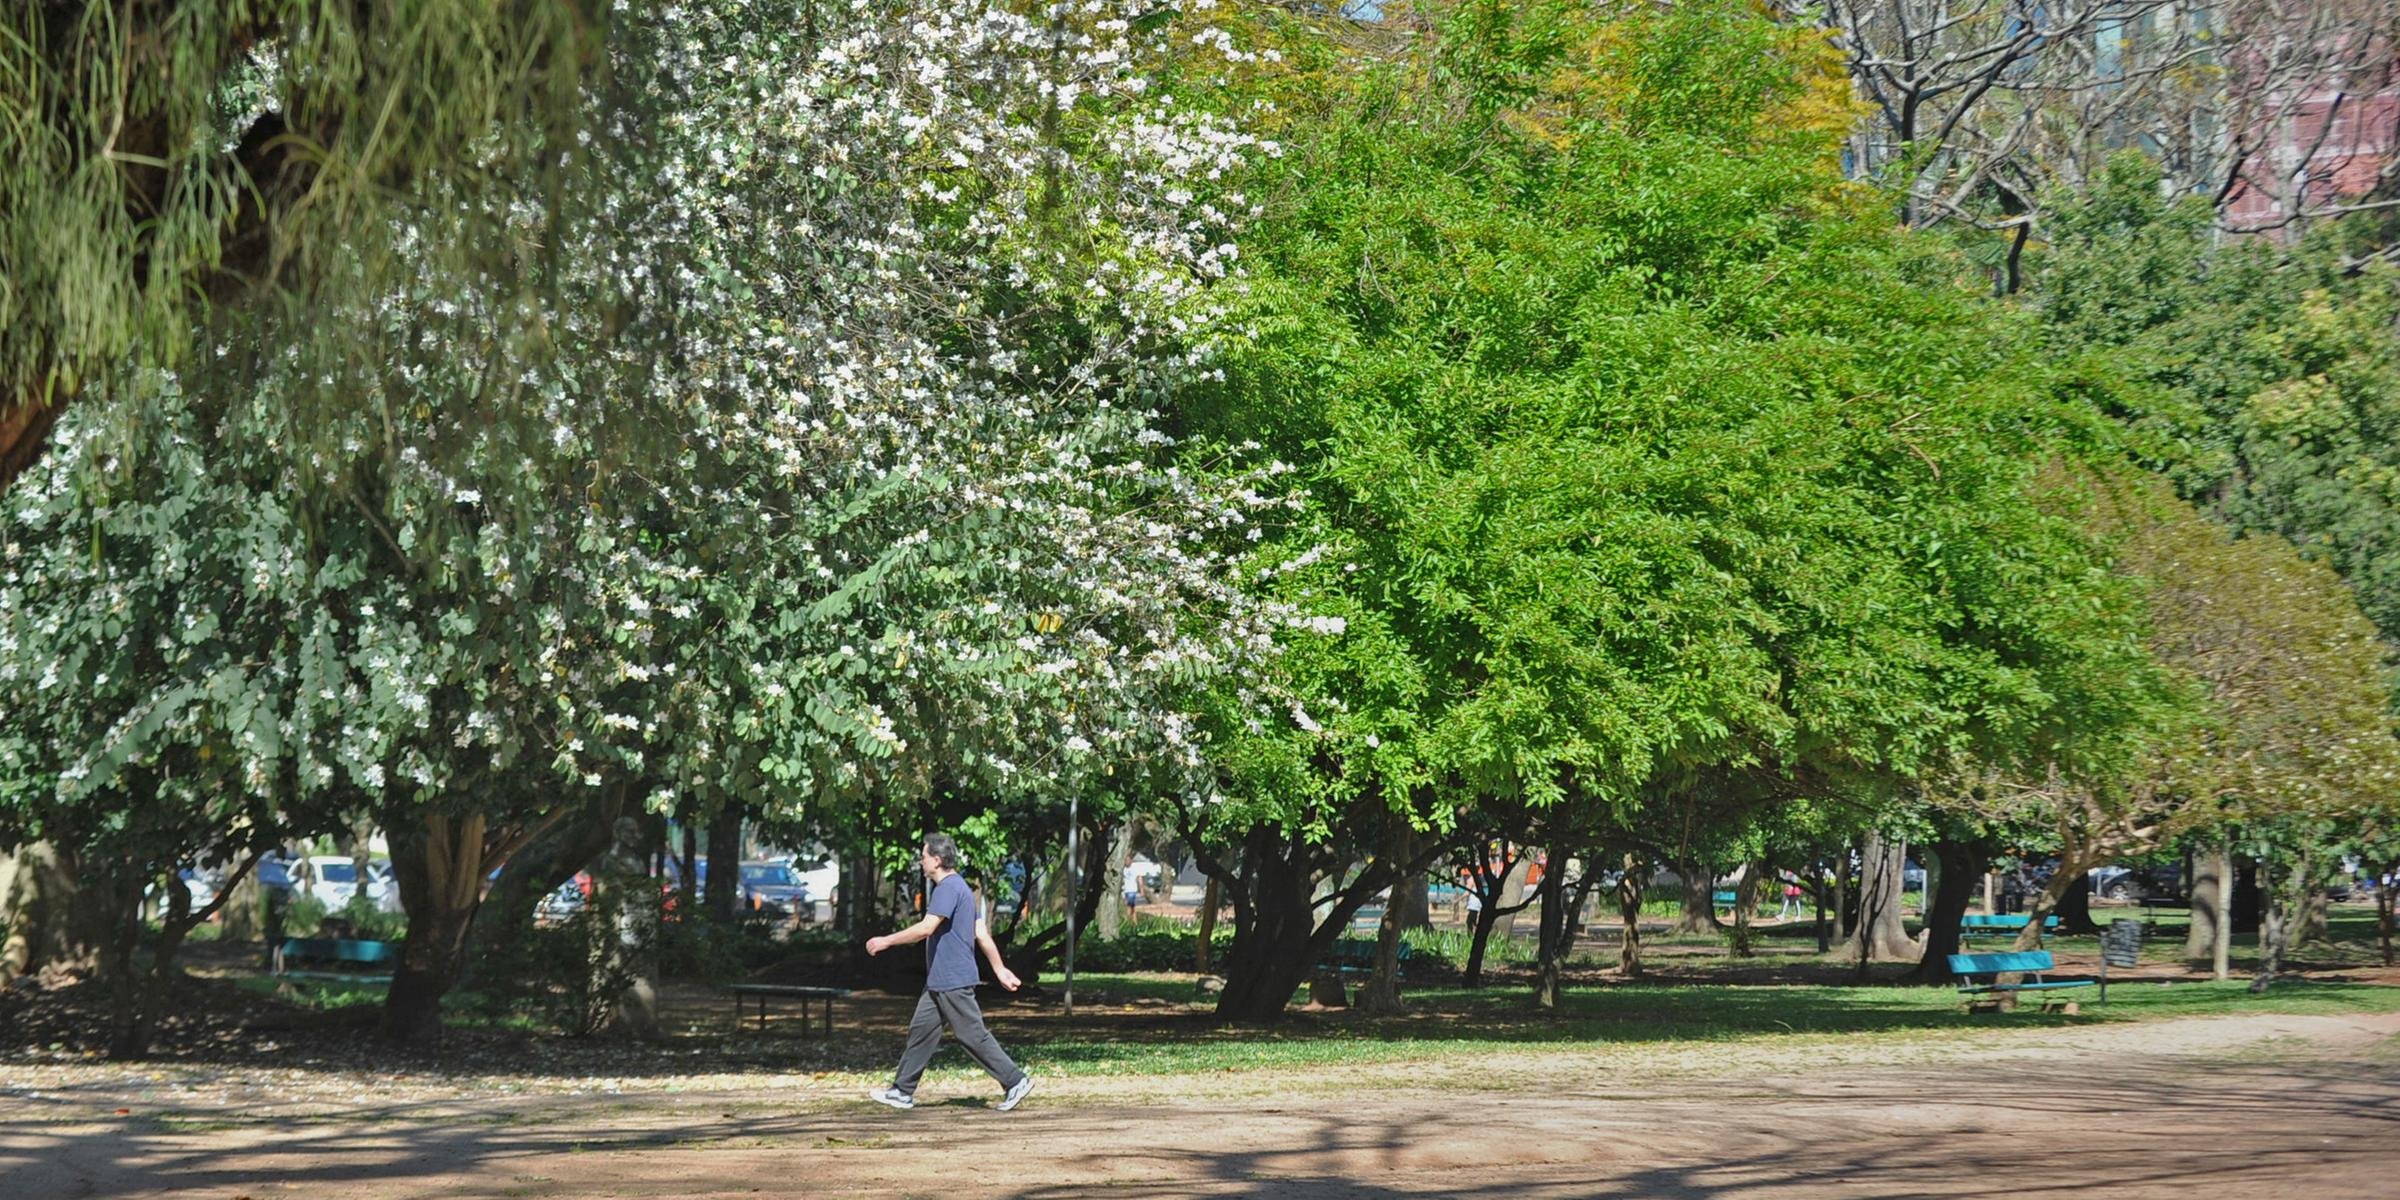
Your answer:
<point x="196" y="884"/>
<point x="333" y="879"/>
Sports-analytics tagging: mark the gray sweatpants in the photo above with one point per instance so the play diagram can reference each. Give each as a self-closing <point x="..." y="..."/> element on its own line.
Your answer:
<point x="957" y="1009"/>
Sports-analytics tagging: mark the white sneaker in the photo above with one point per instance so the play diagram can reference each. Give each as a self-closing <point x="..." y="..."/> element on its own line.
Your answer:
<point x="892" y="1096"/>
<point x="1016" y="1095"/>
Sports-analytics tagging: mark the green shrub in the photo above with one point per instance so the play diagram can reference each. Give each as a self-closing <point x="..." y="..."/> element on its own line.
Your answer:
<point x="698" y="945"/>
<point x="1447" y="949"/>
<point x="303" y="915"/>
<point x="1143" y="944"/>
<point x="372" y="924"/>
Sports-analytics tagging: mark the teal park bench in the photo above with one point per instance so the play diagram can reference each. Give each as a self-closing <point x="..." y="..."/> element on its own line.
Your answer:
<point x="761" y="993"/>
<point x="1356" y="956"/>
<point x="1979" y="976"/>
<point x="1989" y="925"/>
<point x="1729" y="901"/>
<point x="341" y="953"/>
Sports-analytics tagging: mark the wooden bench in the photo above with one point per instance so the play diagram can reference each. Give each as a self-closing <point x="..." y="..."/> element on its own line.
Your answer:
<point x="1990" y="967"/>
<point x="339" y="951"/>
<point x="1983" y="923"/>
<point x="763" y="992"/>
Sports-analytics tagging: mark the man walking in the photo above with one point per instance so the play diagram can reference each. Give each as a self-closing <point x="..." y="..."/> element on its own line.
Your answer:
<point x="953" y="924"/>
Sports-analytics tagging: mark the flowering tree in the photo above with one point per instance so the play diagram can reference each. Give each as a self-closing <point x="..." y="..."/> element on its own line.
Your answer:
<point x="822" y="468"/>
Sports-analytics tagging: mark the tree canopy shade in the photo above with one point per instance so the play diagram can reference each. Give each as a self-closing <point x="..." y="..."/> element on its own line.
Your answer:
<point x="1640" y="460"/>
<point x="159" y="158"/>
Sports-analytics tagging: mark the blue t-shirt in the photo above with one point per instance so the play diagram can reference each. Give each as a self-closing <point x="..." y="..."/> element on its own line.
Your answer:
<point x="950" y="952"/>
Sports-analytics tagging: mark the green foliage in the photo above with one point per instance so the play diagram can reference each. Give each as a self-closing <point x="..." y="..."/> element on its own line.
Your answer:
<point x="303" y="915"/>
<point x="2264" y="379"/>
<point x="1145" y="943"/>
<point x="1641" y="456"/>
<point x="368" y="921"/>
<point x="162" y="160"/>
<point x="699" y="946"/>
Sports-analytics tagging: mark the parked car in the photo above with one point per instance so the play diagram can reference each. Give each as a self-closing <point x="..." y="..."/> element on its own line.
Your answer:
<point x="820" y="877"/>
<point x="566" y="899"/>
<point x="197" y="884"/>
<point x="774" y="889"/>
<point x="275" y="875"/>
<point x="333" y="878"/>
<point x="2160" y="881"/>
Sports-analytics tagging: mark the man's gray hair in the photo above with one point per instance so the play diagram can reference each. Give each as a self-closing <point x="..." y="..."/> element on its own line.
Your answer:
<point x="943" y="847"/>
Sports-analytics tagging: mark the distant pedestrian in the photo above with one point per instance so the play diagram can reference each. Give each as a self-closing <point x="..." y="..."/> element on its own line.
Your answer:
<point x="1791" y="900"/>
<point x="954" y="925"/>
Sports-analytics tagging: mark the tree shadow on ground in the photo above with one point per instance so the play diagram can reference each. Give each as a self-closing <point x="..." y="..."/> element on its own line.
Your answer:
<point x="1994" y="1129"/>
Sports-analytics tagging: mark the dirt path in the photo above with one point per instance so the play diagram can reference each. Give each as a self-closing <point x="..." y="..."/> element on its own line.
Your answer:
<point x="2264" y="1106"/>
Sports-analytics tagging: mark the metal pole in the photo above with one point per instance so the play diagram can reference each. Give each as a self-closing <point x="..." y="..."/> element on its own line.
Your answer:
<point x="1072" y="891"/>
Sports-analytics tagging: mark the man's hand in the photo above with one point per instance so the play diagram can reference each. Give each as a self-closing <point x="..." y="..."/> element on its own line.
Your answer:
<point x="877" y="945"/>
<point x="1008" y="979"/>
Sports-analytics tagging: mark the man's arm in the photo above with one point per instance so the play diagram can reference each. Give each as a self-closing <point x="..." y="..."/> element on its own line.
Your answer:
<point x="991" y="950"/>
<point x="915" y="933"/>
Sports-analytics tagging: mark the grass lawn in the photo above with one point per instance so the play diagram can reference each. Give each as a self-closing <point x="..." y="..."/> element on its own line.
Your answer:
<point x="1446" y="1022"/>
<point x="1703" y="1001"/>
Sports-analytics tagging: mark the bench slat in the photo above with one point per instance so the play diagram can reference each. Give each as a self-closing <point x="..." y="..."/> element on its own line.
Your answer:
<point x="2005" y="962"/>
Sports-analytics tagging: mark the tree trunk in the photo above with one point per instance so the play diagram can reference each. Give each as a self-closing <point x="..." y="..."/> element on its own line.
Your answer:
<point x="2275" y="930"/>
<point x="1991" y="892"/>
<point x="439" y="866"/>
<point x="244" y="914"/>
<point x="1817" y="886"/>
<point x="1278" y="935"/>
<point x="1512" y="895"/>
<point x="1629" y="912"/>
<point x="1553" y="934"/>
<point x="2210" y="871"/>
<point x="1413" y="897"/>
<point x="2221" y="949"/>
<point x="1699" y="912"/>
<point x="121" y="894"/>
<point x="1276" y="940"/>
<point x="1954" y="888"/>
<point x="2075" y="908"/>
<point x="1113" y="913"/>
<point x="158" y="983"/>
<point x="1880" y="936"/>
<point x="632" y="963"/>
<point x="1845" y="913"/>
<point x="2384" y="907"/>
<point x="723" y="886"/>
<point x="1381" y="997"/>
<point x="2249" y="897"/>
<point x="2316" y="919"/>
<point x="1210" y="898"/>
<point x="1745" y="906"/>
<point x="1487" y="919"/>
<point x="50" y="919"/>
<point x="542" y="867"/>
